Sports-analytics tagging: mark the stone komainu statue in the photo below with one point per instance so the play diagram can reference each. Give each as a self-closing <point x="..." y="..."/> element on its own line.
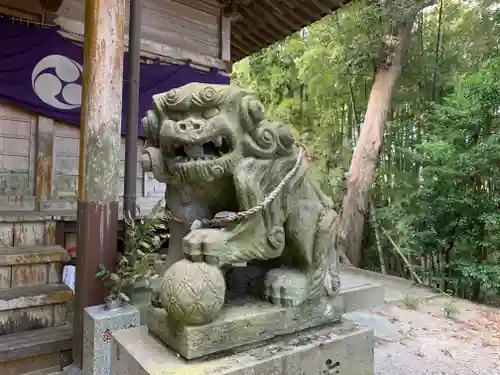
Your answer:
<point x="216" y="152"/>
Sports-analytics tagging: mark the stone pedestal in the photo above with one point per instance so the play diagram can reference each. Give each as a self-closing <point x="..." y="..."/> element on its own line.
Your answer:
<point x="99" y="325"/>
<point x="249" y="322"/>
<point x="342" y="348"/>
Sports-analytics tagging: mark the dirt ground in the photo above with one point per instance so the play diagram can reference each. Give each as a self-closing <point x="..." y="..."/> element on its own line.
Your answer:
<point x="431" y="344"/>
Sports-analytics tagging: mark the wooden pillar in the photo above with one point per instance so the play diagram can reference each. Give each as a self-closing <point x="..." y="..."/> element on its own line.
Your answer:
<point x="98" y="171"/>
<point x="224" y="36"/>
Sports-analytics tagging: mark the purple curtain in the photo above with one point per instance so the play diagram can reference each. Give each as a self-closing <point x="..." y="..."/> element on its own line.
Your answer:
<point x="41" y="72"/>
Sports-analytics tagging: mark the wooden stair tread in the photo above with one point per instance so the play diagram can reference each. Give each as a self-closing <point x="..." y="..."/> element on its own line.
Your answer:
<point x="23" y="216"/>
<point x="36" y="295"/>
<point x="33" y="343"/>
<point x="32" y="255"/>
<point x="36" y="216"/>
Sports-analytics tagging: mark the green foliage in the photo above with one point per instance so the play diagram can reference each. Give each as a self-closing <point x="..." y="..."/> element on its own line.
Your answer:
<point x="449" y="308"/>
<point x="436" y="188"/>
<point x="453" y="208"/>
<point x="143" y="236"/>
<point x="411" y="302"/>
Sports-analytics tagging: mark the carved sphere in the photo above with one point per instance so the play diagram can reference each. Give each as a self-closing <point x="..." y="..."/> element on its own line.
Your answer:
<point x="192" y="292"/>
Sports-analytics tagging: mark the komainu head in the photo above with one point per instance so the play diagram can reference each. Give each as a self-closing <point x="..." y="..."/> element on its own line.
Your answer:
<point x="202" y="131"/>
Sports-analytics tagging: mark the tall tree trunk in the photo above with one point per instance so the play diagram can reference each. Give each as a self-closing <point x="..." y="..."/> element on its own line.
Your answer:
<point x="436" y="84"/>
<point x="366" y="153"/>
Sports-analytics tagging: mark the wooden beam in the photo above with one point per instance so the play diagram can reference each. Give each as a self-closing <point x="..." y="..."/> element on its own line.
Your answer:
<point x="235" y="2"/>
<point x="50" y="5"/>
<point x="45" y="156"/>
<point x="72" y="30"/>
<point x="224" y="37"/>
<point x="283" y="17"/>
<point x="212" y="7"/>
<point x="262" y="21"/>
<point x="304" y="9"/>
<point x="98" y="172"/>
<point x="236" y="53"/>
<point x="243" y="33"/>
<point x="19" y="8"/>
<point x="239" y="46"/>
<point x="323" y="8"/>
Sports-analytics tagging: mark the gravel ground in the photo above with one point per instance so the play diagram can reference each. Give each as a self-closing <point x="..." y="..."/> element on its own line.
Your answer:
<point x="431" y="344"/>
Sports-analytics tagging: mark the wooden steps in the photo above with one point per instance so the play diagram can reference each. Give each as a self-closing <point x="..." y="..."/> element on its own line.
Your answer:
<point x="26" y="231"/>
<point x="32" y="254"/>
<point x="33" y="307"/>
<point x="41" y="351"/>
<point x="34" y="332"/>
<point x="31" y="296"/>
<point x="34" y="343"/>
<point x="31" y="265"/>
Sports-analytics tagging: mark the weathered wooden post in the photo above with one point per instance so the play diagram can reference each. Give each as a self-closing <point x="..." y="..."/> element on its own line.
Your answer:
<point x="99" y="155"/>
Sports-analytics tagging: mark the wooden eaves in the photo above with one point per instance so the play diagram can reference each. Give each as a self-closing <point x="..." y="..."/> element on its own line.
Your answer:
<point x="256" y="24"/>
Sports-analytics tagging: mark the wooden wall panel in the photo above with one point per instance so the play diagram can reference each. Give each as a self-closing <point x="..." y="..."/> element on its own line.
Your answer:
<point x="17" y="130"/>
<point x="188" y="25"/>
<point x="140" y="173"/>
<point x="18" y="145"/>
<point x="67" y="146"/>
<point x="18" y="161"/>
<point x="207" y="6"/>
<point x="153" y="188"/>
<point x="29" y="233"/>
<point x="28" y="9"/>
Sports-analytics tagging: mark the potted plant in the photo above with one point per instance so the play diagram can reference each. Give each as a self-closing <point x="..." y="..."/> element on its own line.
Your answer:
<point x="144" y="235"/>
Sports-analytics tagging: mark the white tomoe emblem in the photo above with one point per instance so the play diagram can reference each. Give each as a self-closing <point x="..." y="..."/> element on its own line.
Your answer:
<point x="54" y="80"/>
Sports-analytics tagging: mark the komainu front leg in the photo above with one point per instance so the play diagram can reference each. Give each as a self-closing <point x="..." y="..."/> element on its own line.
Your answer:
<point x="310" y="235"/>
<point x="258" y="234"/>
<point x="248" y="241"/>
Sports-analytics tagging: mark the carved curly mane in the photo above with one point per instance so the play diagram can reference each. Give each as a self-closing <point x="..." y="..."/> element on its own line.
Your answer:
<point x="263" y="138"/>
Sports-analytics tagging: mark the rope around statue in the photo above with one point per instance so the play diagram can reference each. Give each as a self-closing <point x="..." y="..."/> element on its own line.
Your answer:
<point x="246" y="213"/>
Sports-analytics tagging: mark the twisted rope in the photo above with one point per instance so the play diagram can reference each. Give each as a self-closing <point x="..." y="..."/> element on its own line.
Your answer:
<point x="251" y="211"/>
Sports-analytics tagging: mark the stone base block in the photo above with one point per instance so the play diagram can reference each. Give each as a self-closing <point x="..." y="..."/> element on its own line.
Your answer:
<point x="360" y="293"/>
<point x="339" y="349"/>
<point x="242" y="324"/>
<point x="99" y="325"/>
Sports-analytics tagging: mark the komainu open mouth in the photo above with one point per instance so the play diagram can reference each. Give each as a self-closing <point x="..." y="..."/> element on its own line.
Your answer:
<point x="209" y="150"/>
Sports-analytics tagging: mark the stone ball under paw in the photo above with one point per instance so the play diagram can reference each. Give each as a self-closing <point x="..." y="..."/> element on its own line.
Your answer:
<point x="192" y="292"/>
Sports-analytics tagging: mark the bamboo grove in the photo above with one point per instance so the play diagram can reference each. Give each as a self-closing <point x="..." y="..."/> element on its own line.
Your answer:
<point x="434" y="205"/>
